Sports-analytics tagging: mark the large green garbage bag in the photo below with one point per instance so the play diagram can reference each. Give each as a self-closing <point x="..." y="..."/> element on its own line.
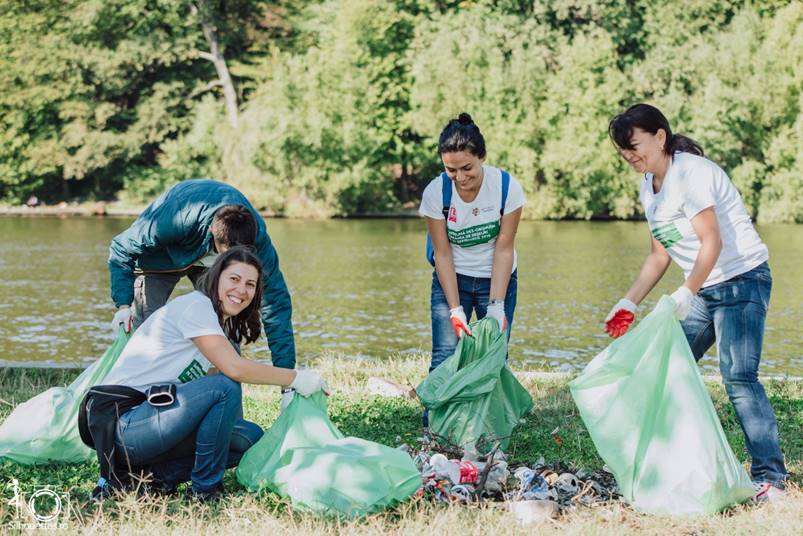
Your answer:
<point x="304" y="457"/>
<point x="473" y="393"/>
<point x="45" y="428"/>
<point x="652" y="421"/>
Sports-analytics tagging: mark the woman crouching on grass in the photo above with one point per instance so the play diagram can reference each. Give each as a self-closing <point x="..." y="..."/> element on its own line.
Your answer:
<point x="188" y="343"/>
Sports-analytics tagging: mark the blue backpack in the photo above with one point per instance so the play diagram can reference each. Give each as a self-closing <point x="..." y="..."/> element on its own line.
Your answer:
<point x="446" y="194"/>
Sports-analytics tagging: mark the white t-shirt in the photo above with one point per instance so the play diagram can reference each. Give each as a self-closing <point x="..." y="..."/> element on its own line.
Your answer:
<point x="161" y="349"/>
<point x="694" y="183"/>
<point x="473" y="227"/>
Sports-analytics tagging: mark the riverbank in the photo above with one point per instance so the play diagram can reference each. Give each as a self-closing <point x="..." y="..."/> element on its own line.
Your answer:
<point x="101" y="209"/>
<point x="390" y="420"/>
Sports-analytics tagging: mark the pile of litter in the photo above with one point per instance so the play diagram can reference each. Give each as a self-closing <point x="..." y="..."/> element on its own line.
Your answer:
<point x="453" y="477"/>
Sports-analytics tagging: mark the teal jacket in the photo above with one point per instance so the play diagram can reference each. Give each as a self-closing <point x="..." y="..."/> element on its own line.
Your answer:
<point x="174" y="232"/>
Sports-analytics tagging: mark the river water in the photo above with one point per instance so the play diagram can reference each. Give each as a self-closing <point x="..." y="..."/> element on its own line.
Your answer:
<point x="361" y="289"/>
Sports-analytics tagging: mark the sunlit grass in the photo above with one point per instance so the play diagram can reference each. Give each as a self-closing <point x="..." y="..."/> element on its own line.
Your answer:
<point x="390" y="420"/>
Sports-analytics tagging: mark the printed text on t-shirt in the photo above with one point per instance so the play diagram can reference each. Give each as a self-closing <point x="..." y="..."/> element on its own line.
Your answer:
<point x="472" y="236"/>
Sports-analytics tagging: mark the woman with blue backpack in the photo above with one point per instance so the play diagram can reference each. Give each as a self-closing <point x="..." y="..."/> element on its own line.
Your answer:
<point x="472" y="212"/>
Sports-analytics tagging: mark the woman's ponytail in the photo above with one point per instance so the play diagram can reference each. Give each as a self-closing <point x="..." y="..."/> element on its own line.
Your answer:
<point x="683" y="144"/>
<point x="649" y="119"/>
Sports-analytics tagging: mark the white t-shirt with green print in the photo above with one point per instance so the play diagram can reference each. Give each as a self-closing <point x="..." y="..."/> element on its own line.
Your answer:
<point x="161" y="349"/>
<point x="473" y="227"/>
<point x="692" y="184"/>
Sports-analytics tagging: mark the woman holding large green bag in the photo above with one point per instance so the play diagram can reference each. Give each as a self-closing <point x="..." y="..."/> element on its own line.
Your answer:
<point x="698" y="219"/>
<point x="188" y="343"/>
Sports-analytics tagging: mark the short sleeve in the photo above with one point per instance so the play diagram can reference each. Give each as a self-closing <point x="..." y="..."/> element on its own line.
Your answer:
<point x="515" y="196"/>
<point x="199" y="319"/>
<point x="432" y="200"/>
<point x="699" y="190"/>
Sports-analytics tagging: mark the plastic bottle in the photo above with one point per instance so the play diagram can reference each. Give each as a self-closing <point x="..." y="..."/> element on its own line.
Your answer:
<point x="464" y="472"/>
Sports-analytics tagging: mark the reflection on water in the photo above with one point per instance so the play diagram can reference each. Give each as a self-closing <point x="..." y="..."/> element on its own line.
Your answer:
<point x="361" y="288"/>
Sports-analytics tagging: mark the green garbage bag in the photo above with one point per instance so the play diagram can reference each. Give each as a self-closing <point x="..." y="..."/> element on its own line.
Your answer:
<point x="304" y="457"/>
<point x="45" y="428"/>
<point x="652" y="421"/>
<point x="473" y="393"/>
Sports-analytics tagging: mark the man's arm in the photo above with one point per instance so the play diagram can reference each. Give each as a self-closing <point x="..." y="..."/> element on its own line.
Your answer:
<point x="124" y="251"/>
<point x="277" y="309"/>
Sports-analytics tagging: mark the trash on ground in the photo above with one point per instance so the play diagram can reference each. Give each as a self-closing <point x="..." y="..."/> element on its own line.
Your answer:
<point x="534" y="512"/>
<point x="471" y="478"/>
<point x="390" y="389"/>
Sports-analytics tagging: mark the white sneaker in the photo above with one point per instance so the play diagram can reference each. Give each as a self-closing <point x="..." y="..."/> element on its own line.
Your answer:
<point x="766" y="492"/>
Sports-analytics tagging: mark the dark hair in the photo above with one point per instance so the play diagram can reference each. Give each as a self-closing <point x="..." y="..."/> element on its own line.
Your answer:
<point x="245" y="325"/>
<point x="649" y="119"/>
<point x="234" y="225"/>
<point x="462" y="134"/>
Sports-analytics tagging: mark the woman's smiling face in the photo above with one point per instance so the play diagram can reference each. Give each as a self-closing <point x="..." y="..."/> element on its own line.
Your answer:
<point x="464" y="168"/>
<point x="647" y="153"/>
<point x="236" y="288"/>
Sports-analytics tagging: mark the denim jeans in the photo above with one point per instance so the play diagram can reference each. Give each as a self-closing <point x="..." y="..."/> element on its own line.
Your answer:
<point x="474" y="293"/>
<point x="195" y="438"/>
<point x="732" y="314"/>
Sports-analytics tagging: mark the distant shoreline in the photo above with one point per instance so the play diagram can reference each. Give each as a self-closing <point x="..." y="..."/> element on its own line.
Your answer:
<point x="100" y="210"/>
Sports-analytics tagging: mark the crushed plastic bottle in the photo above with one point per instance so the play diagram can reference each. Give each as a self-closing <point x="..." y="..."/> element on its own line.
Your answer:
<point x="566" y="484"/>
<point x="532" y="487"/>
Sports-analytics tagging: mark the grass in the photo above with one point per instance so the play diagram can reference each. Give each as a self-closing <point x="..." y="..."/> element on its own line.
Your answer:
<point x="389" y="421"/>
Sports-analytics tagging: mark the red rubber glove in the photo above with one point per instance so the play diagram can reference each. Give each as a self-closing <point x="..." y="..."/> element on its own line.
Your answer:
<point x="619" y="319"/>
<point x="459" y="321"/>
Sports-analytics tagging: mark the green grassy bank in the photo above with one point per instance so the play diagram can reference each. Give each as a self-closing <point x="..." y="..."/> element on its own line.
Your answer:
<point x="385" y="420"/>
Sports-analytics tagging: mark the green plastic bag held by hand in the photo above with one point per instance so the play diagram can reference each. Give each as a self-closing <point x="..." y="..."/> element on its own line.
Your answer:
<point x="650" y="416"/>
<point x="45" y="428"/>
<point x="473" y="393"/>
<point x="304" y="458"/>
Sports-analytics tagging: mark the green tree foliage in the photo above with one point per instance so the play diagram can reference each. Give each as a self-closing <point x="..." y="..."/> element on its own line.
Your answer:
<point x="340" y="102"/>
<point x="326" y="132"/>
<point x="91" y="90"/>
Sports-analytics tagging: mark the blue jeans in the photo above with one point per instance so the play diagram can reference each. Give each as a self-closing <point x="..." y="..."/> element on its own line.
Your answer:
<point x="195" y="438"/>
<point x="732" y="314"/>
<point x="474" y="293"/>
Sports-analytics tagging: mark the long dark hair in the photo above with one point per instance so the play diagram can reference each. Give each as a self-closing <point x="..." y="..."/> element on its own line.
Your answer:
<point x="649" y="119"/>
<point x="462" y="134"/>
<point x="245" y="325"/>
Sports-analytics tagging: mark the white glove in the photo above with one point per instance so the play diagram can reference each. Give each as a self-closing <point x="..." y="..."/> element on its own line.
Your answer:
<point x="286" y="399"/>
<point x="307" y="382"/>
<point x="123" y="316"/>
<point x="497" y="312"/>
<point x="625" y="304"/>
<point x="682" y="297"/>
<point x="459" y="321"/>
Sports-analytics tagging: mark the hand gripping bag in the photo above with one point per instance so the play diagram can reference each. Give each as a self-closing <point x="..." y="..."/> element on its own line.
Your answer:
<point x="45" y="428"/>
<point x="473" y="393"/>
<point x="650" y="416"/>
<point x="304" y="458"/>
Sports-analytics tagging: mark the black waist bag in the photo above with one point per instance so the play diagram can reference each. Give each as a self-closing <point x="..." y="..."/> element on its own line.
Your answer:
<point x="97" y="420"/>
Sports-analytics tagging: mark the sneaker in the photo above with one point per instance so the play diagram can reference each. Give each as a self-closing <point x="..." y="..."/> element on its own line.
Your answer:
<point x="211" y="495"/>
<point x="766" y="492"/>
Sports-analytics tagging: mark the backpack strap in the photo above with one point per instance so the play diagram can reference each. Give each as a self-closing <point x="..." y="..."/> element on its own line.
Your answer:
<point x="505" y="188"/>
<point x="446" y="194"/>
<point x="446" y="198"/>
